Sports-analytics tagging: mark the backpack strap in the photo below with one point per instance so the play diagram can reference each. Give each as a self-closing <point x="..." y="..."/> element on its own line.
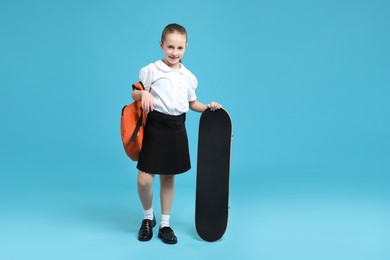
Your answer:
<point x="138" y="85"/>
<point x="142" y="119"/>
<point x="136" y="129"/>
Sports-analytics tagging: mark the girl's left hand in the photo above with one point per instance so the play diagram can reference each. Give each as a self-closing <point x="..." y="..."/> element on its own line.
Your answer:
<point x="214" y="106"/>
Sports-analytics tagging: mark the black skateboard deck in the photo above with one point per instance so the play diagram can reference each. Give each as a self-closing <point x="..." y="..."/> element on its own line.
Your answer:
<point x="213" y="170"/>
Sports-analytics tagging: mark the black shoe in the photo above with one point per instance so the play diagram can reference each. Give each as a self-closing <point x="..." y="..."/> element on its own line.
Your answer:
<point x="145" y="233"/>
<point x="167" y="235"/>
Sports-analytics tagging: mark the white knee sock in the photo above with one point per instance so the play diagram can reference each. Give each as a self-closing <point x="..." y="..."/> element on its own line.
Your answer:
<point x="148" y="214"/>
<point x="164" y="221"/>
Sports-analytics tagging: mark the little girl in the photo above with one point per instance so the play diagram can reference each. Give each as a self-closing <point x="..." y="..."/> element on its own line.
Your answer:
<point x="168" y="95"/>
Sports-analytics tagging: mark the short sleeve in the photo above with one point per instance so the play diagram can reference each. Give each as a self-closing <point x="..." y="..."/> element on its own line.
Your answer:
<point x="192" y="90"/>
<point x="145" y="76"/>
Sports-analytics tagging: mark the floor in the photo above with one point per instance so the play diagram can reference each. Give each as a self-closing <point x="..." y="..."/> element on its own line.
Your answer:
<point x="269" y="219"/>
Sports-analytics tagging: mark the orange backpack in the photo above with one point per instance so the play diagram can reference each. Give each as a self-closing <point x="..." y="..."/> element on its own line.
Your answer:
<point x="133" y="120"/>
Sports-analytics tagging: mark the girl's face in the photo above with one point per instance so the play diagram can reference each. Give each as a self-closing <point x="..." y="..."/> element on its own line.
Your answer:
<point x="174" y="47"/>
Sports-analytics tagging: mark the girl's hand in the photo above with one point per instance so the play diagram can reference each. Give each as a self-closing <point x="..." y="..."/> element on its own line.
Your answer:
<point x="147" y="101"/>
<point x="214" y="106"/>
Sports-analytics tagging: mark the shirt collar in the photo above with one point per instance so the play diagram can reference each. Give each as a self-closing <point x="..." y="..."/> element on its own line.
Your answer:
<point x="164" y="67"/>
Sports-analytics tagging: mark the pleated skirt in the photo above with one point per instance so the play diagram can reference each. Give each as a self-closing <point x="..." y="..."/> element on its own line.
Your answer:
<point x="165" y="145"/>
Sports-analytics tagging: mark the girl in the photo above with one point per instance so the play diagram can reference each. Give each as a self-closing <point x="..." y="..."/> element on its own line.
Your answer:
<point x="168" y="95"/>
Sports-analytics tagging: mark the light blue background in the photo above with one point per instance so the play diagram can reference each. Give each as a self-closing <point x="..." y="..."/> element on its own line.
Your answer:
<point x="307" y="86"/>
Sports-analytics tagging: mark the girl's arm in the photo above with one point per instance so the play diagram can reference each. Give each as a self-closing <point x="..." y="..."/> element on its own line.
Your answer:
<point x="146" y="99"/>
<point x="136" y="94"/>
<point x="200" y="107"/>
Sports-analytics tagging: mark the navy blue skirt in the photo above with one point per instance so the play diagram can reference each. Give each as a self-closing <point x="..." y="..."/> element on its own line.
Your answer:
<point x="165" y="145"/>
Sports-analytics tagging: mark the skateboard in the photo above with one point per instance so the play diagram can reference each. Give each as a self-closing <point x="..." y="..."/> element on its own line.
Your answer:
<point x="213" y="170"/>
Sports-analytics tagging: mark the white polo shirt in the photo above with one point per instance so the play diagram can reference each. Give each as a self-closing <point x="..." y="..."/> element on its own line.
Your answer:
<point x="171" y="89"/>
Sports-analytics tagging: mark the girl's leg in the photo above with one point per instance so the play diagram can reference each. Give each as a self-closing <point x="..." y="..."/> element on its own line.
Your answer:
<point x="166" y="196"/>
<point x="145" y="191"/>
<point x="166" y="193"/>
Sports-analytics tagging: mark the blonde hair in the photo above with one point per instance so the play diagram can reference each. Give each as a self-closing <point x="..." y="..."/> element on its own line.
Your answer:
<point x="172" y="28"/>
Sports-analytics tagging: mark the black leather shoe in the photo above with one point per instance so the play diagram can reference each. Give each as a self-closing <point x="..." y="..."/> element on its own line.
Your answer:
<point x="167" y="235"/>
<point x="145" y="233"/>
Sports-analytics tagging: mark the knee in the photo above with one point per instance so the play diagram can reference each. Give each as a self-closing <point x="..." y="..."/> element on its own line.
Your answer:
<point x="144" y="180"/>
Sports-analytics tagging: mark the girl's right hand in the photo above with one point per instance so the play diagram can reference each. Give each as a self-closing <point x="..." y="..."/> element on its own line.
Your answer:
<point x="147" y="101"/>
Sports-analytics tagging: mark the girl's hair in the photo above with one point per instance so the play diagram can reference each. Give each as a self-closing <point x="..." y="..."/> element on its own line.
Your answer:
<point x="172" y="28"/>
